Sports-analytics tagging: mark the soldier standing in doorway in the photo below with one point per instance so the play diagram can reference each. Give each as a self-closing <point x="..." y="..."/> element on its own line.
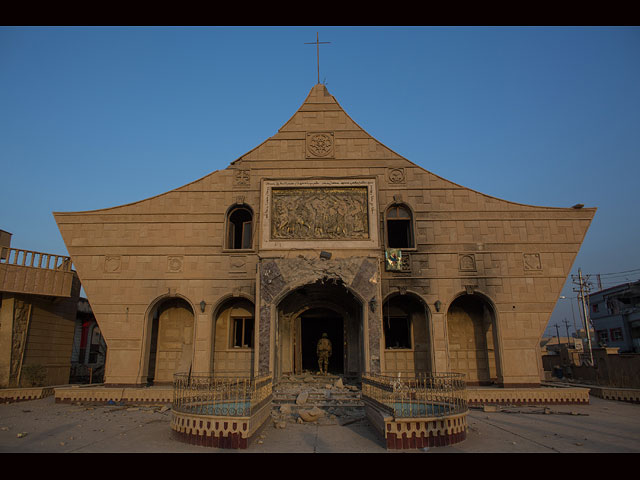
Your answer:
<point x="324" y="351"/>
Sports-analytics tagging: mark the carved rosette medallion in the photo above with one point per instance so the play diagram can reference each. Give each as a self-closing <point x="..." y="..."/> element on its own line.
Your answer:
<point x="320" y="145"/>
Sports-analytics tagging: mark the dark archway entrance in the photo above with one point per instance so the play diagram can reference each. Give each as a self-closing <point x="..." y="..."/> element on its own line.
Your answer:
<point x="308" y="312"/>
<point x="313" y="323"/>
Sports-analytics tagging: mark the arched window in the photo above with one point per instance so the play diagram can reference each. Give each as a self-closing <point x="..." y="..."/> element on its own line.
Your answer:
<point x="399" y="227"/>
<point x="239" y="228"/>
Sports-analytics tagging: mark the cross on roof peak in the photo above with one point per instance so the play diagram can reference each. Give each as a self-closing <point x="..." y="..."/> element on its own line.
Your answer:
<point x="317" y="44"/>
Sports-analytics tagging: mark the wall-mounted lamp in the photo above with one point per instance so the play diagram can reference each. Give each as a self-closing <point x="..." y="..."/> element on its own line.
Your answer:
<point x="438" y="305"/>
<point x="372" y="304"/>
<point x="202" y="305"/>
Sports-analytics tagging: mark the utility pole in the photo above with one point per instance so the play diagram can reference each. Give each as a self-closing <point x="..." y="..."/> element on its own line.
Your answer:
<point x="582" y="291"/>
<point x="558" y="335"/>
<point x="566" y="325"/>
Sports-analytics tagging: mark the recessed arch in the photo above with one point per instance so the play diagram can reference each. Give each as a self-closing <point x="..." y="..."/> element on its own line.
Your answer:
<point x="408" y="333"/>
<point x="307" y="311"/>
<point x="233" y="336"/>
<point x="472" y="335"/>
<point x="169" y="338"/>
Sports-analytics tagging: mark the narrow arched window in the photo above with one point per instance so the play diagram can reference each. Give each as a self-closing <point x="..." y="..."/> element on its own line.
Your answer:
<point x="239" y="228"/>
<point x="399" y="227"/>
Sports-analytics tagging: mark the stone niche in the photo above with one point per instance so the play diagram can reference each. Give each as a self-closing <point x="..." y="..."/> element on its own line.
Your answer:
<point x="316" y="214"/>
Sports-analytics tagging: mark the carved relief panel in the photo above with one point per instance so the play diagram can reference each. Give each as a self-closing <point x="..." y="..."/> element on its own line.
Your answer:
<point x="319" y="214"/>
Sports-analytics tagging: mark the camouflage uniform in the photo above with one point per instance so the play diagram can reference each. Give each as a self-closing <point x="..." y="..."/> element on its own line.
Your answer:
<point x="324" y="351"/>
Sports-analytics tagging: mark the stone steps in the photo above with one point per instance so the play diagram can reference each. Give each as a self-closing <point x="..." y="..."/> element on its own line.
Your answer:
<point x="339" y="400"/>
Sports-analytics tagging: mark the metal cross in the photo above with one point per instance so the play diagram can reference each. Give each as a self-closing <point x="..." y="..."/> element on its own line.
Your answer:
<point x="317" y="44"/>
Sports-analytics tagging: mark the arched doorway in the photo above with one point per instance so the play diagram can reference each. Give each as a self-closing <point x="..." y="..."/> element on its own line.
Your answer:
<point x="407" y="335"/>
<point x="471" y="331"/>
<point x="308" y="312"/>
<point x="313" y="324"/>
<point x="171" y="340"/>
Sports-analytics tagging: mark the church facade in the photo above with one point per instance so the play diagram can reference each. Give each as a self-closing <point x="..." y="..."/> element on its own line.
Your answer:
<point x="323" y="229"/>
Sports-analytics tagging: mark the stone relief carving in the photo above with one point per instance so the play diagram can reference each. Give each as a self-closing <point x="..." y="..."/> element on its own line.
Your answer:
<point x="238" y="264"/>
<point x="21" y="317"/>
<point x="396" y="175"/>
<point x="320" y="144"/>
<point x="320" y="213"/>
<point x="241" y="177"/>
<point x="112" y="263"/>
<point x="174" y="264"/>
<point x="532" y="261"/>
<point x="467" y="263"/>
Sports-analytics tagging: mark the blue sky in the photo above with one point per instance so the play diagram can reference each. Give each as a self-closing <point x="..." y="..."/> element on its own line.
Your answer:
<point x="94" y="117"/>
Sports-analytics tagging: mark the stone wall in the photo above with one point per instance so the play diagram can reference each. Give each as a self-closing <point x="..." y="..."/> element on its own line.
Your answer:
<point x="173" y="244"/>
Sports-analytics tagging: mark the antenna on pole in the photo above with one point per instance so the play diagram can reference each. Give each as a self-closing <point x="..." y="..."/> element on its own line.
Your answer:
<point x="317" y="44"/>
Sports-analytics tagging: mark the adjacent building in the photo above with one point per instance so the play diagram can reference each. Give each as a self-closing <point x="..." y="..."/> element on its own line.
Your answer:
<point x="38" y="302"/>
<point x="615" y="315"/>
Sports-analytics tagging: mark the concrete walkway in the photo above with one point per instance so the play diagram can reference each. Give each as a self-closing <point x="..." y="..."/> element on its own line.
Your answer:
<point x="44" y="426"/>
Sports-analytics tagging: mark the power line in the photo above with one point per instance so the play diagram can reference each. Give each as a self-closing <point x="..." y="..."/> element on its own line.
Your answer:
<point x="619" y="273"/>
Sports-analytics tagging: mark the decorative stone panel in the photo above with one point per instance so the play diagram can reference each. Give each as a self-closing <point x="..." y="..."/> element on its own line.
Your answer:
<point x="112" y="264"/>
<point x="532" y="261"/>
<point x="241" y="178"/>
<point x="396" y="176"/>
<point x="467" y="263"/>
<point x="174" y="264"/>
<point x="320" y="145"/>
<point x="319" y="214"/>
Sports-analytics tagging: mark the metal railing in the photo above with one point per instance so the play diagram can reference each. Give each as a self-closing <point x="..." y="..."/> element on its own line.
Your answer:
<point x="28" y="258"/>
<point x="417" y="394"/>
<point x="220" y="396"/>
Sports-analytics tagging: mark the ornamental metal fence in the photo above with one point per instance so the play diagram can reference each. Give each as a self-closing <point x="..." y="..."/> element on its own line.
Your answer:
<point x="220" y="396"/>
<point x="417" y="394"/>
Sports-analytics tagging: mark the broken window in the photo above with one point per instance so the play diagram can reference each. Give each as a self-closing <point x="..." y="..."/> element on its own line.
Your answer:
<point x="242" y="332"/>
<point x="399" y="227"/>
<point x="239" y="229"/>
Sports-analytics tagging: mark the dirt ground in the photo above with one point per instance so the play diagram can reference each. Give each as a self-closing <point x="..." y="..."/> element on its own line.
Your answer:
<point x="42" y="426"/>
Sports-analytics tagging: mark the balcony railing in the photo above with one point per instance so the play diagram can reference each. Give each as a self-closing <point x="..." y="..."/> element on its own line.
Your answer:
<point x="28" y="258"/>
<point x="417" y="394"/>
<point x="220" y="396"/>
<point x="26" y="271"/>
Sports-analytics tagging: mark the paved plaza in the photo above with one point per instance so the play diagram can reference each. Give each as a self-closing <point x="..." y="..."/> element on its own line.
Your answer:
<point x="42" y="426"/>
